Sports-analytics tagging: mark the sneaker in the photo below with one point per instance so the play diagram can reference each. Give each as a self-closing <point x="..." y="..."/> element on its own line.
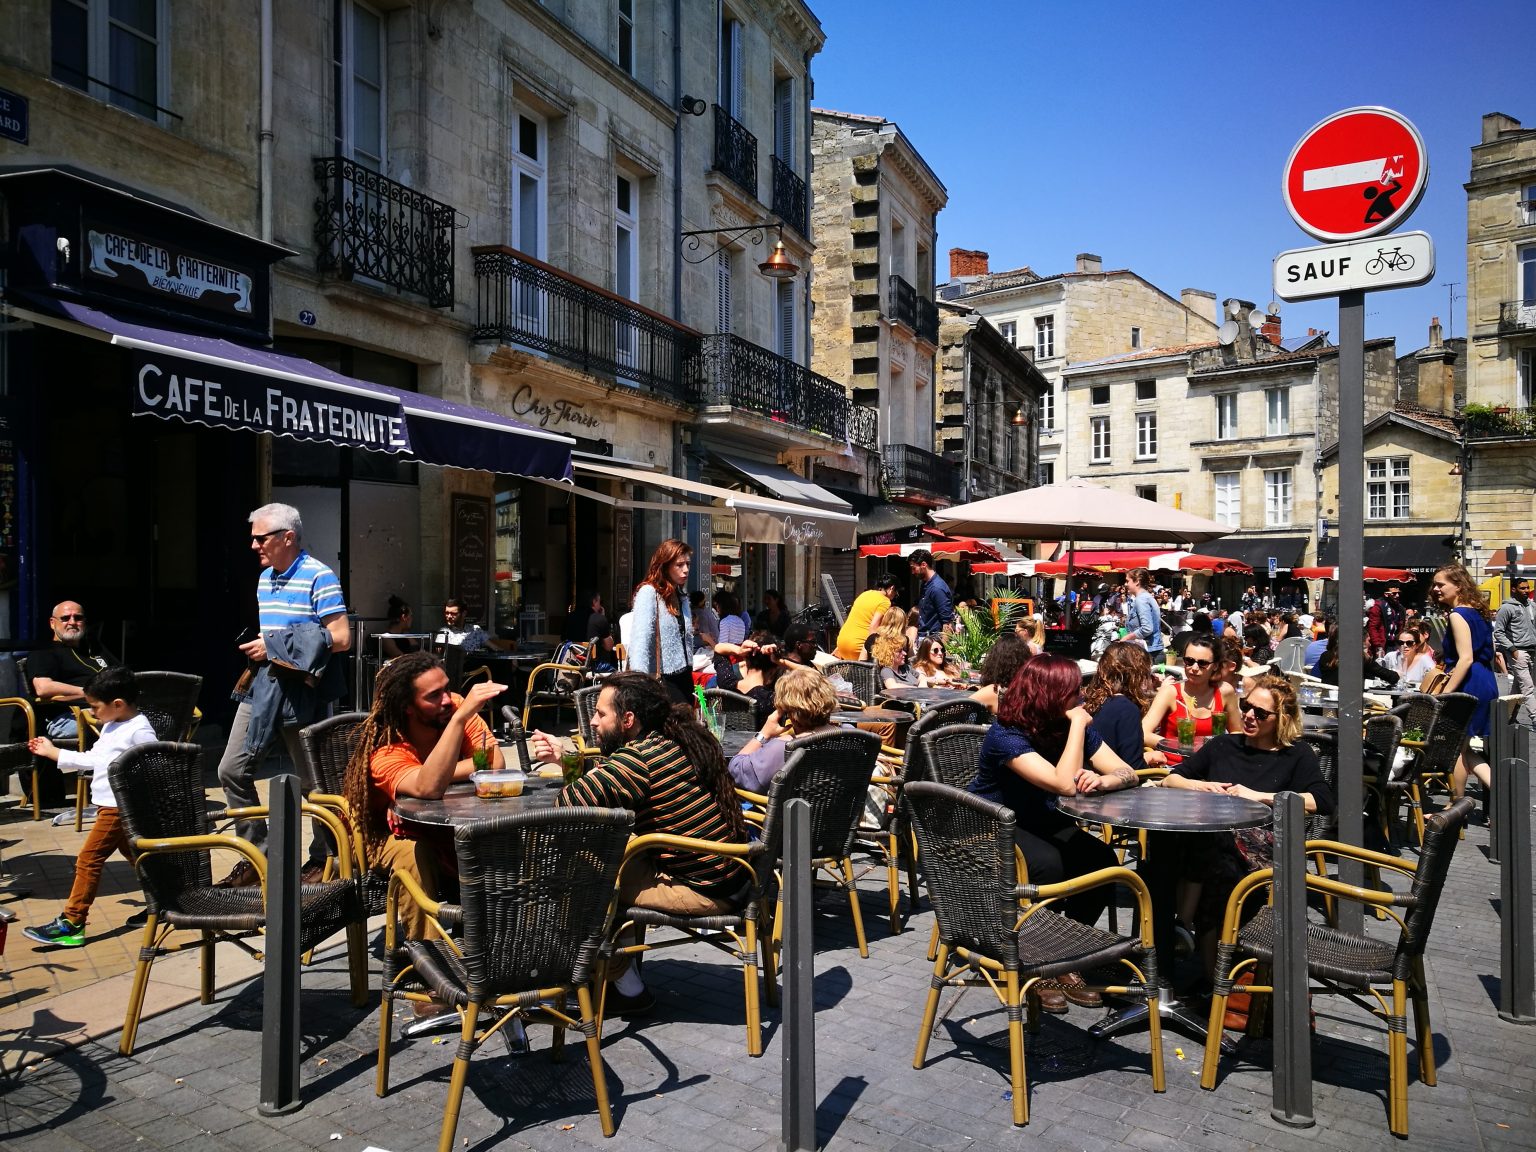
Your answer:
<point x="60" y="933"/>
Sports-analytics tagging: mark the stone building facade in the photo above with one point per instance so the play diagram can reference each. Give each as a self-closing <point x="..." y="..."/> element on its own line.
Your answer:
<point x="875" y="325"/>
<point x="1072" y="317"/>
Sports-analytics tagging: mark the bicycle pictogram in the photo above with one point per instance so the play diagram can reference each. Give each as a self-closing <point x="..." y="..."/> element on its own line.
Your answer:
<point x="1395" y="260"/>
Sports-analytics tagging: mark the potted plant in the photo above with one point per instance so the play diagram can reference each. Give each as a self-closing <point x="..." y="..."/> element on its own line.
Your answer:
<point x="978" y="630"/>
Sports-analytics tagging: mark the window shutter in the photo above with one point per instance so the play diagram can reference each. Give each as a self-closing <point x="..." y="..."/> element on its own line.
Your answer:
<point x="784" y="303"/>
<point x="738" y="81"/>
<point x="784" y="121"/>
<point x="723" y="291"/>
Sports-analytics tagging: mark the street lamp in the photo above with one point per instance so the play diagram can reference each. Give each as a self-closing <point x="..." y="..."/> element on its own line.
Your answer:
<point x="778" y="266"/>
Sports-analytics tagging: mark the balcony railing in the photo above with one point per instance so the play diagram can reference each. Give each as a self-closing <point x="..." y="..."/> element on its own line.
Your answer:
<point x="927" y="320"/>
<point x="789" y="202"/>
<point x="914" y="471"/>
<point x="1480" y="422"/>
<point x="369" y="226"/>
<point x="741" y="374"/>
<point x="735" y="151"/>
<point x="523" y="301"/>
<point x="1517" y="316"/>
<point x="901" y="302"/>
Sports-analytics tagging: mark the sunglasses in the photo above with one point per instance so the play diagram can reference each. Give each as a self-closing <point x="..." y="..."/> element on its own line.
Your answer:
<point x="1262" y="713"/>
<point x="68" y="616"/>
<point x="263" y="537"/>
<point x="1188" y="663"/>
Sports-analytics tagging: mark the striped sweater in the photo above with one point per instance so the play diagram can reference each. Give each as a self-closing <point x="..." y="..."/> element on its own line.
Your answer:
<point x="653" y="778"/>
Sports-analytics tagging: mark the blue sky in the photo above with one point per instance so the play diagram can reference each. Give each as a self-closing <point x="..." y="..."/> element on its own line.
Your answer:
<point x="1155" y="134"/>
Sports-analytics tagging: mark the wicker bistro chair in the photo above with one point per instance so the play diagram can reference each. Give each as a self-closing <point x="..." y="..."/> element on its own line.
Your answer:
<point x="16" y="757"/>
<point x="554" y="684"/>
<point x="739" y="933"/>
<point x="985" y="937"/>
<point x="1437" y="757"/>
<point x="586" y="736"/>
<point x="1354" y="965"/>
<point x="159" y="791"/>
<point x="1383" y="783"/>
<point x="328" y="746"/>
<point x="864" y="675"/>
<point x="536" y="898"/>
<point x="738" y="711"/>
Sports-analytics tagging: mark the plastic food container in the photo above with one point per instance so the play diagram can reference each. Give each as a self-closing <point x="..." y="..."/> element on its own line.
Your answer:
<point x="495" y="785"/>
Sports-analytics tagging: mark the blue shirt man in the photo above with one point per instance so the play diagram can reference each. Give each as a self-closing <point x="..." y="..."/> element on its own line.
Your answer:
<point x="936" y="604"/>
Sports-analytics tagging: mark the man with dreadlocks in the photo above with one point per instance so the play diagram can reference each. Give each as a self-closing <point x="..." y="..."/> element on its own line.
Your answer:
<point x="663" y="765"/>
<point x="418" y="739"/>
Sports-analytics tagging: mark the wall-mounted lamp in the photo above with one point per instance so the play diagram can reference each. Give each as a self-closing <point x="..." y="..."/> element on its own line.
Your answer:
<point x="1019" y="419"/>
<point x="1456" y="469"/>
<point x="778" y="266"/>
<point x="692" y="106"/>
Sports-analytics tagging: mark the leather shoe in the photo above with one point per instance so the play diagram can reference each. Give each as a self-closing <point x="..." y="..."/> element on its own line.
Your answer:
<point x="312" y="874"/>
<point x="242" y="875"/>
<point x="1071" y="986"/>
<point x="1052" y="998"/>
<point x="624" y="1007"/>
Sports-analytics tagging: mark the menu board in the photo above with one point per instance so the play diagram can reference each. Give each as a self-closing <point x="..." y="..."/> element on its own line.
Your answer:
<point x="469" y="555"/>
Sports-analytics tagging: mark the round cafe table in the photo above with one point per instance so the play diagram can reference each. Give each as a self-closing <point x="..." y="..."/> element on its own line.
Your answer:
<point x="922" y="697"/>
<point x="460" y="805"/>
<point x="1164" y="810"/>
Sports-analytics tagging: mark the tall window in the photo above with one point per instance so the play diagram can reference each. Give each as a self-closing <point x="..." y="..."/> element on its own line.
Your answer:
<point x="1528" y="275"/>
<point x="784" y="318"/>
<point x="1528" y="204"/>
<point x="723" y="290"/>
<point x="626" y="262"/>
<point x="113" y="51"/>
<point x="1526" y="377"/>
<point x="1048" y="409"/>
<point x="530" y="182"/>
<point x="784" y="119"/>
<point x="1045" y="337"/>
<point x="626" y="45"/>
<point x="1278" y="500"/>
<point x="1386" y="489"/>
<point x="1135" y="337"/>
<point x="1009" y="330"/>
<point x="1100" y="433"/>
<point x="732" y="82"/>
<point x="1226" y="416"/>
<point x="1277" y="411"/>
<point x="1229" y="498"/>
<point x="1146" y="435"/>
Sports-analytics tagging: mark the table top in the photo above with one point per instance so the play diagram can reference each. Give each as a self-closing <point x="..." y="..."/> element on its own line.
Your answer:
<point x="460" y="805"/>
<point x="733" y="741"/>
<point x="910" y="694"/>
<point x="1168" y="810"/>
<point x="872" y="716"/>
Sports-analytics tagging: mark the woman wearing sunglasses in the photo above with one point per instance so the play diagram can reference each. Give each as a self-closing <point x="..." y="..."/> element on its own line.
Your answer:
<point x="934" y="664"/>
<point x="1266" y="758"/>
<point x="1198" y="698"/>
<point x="1412" y="659"/>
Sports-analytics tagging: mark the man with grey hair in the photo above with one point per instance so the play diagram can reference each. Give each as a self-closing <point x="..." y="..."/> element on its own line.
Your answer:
<point x="296" y="596"/>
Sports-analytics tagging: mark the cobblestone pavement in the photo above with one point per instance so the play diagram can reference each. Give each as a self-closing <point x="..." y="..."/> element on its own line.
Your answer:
<point x="682" y="1080"/>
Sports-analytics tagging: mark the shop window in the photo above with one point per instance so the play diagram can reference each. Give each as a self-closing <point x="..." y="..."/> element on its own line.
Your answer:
<point x="116" y="51"/>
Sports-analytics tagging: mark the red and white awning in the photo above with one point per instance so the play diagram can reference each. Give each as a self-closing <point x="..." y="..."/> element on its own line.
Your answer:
<point x="1125" y="559"/>
<point x="1365" y="574"/>
<point x="941" y="546"/>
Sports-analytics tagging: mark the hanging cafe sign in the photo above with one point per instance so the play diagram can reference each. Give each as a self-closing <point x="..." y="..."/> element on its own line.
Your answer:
<point x="135" y="262"/>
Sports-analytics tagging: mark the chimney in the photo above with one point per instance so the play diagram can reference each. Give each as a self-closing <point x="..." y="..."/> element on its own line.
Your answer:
<point x="1496" y="124"/>
<point x="1437" y="372"/>
<point x="1088" y="262"/>
<point x="966" y="263"/>
<point x="1271" y="328"/>
<point x="1436" y="333"/>
<point x="1200" y="302"/>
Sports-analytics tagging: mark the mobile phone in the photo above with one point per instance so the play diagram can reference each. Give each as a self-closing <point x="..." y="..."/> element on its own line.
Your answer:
<point x="246" y="636"/>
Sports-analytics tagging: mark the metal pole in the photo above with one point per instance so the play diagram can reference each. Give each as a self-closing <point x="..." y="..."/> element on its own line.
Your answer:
<point x="1351" y="793"/>
<point x="1291" y="1091"/>
<point x="1501" y="747"/>
<point x="280" y="981"/>
<point x="798" y="1068"/>
<point x="1512" y="828"/>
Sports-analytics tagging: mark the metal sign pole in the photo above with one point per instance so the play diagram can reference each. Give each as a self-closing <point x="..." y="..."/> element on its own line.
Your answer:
<point x="1351" y="795"/>
<point x="1291" y="1081"/>
<point x="280" y="981"/>
<point x="798" y="1066"/>
<point x="1512" y="828"/>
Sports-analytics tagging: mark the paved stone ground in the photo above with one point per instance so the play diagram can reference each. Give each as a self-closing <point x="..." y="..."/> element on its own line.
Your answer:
<point x="682" y="1081"/>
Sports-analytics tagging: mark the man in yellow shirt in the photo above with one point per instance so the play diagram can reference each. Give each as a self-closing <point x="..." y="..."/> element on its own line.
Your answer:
<point x="866" y="611"/>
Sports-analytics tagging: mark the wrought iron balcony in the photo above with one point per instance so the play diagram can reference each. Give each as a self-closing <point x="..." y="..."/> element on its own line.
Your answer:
<point x="917" y="474"/>
<point x="369" y="226"/>
<point x="901" y="302"/>
<point x="1517" y="316"/>
<point x="735" y="151"/>
<point x="927" y="320"/>
<point x="1480" y="422"/>
<point x="740" y="374"/>
<point x="789" y="202"/>
<point x="523" y="301"/>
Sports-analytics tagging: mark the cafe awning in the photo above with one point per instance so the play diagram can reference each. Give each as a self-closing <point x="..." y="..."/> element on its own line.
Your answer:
<point x="1255" y="551"/>
<point x="759" y="519"/>
<point x="220" y="384"/>
<point x="889" y="520"/>
<point x="1498" y="560"/>
<point x="1419" y="553"/>
<point x="1127" y="559"/>
<point x="781" y="484"/>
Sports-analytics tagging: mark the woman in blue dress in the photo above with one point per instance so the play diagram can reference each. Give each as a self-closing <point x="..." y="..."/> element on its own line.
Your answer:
<point x="1467" y="656"/>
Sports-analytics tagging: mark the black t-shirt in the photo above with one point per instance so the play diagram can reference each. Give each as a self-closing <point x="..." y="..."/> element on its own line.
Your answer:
<point x="1227" y="759"/>
<point x="67" y="665"/>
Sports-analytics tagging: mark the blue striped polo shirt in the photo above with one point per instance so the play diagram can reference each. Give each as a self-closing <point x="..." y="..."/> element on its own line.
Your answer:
<point x="307" y="592"/>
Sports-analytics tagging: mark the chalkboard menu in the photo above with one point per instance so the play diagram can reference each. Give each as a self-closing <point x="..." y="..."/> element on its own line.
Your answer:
<point x="469" y="555"/>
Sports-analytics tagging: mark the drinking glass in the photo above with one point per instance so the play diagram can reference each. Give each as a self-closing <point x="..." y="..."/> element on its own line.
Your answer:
<point x="570" y="767"/>
<point x="1218" y="723"/>
<point x="1186" y="730"/>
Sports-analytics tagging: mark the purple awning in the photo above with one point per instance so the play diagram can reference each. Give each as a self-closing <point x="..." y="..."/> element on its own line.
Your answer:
<point x="216" y="382"/>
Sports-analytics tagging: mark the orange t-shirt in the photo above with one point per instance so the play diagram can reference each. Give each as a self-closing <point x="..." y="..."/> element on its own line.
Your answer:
<point x="391" y="763"/>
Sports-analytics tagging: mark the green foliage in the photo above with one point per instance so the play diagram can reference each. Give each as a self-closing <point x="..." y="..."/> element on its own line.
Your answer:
<point x="979" y="630"/>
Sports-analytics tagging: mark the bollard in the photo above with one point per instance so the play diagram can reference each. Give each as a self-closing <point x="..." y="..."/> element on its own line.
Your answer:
<point x="1500" y="747"/>
<point x="280" y="978"/>
<point x="797" y="964"/>
<point x="1291" y="1091"/>
<point x="1512" y="831"/>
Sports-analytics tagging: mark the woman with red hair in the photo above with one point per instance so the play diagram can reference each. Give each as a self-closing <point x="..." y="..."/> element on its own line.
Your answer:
<point x="663" y="622"/>
<point x="1043" y="746"/>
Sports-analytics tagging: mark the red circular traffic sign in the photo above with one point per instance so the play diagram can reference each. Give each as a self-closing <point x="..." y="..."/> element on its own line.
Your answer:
<point x="1358" y="173"/>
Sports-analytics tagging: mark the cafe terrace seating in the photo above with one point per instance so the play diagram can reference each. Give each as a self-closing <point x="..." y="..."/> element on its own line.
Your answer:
<point x="864" y="675"/>
<point x="987" y="939"/>
<point x="328" y="746"/>
<point x="1350" y="964"/>
<point x="16" y="757"/>
<point x="1437" y="757"/>
<point x="554" y="684"/>
<point x="536" y="896"/>
<point x="738" y="711"/>
<point x="159" y="790"/>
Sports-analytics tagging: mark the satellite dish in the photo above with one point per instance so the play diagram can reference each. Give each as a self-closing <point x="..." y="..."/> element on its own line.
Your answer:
<point x="1256" y="318"/>
<point x="1274" y="307"/>
<point x="1234" y="308"/>
<point x="1228" y="333"/>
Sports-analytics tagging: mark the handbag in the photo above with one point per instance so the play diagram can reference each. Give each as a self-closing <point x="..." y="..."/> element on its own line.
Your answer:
<point x="1435" y="682"/>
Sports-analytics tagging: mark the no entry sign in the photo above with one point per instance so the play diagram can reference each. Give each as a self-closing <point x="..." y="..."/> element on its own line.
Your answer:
<point x="1358" y="173"/>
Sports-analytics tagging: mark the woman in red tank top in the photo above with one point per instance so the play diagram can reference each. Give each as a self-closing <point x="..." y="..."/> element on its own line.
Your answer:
<point x="1201" y="695"/>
